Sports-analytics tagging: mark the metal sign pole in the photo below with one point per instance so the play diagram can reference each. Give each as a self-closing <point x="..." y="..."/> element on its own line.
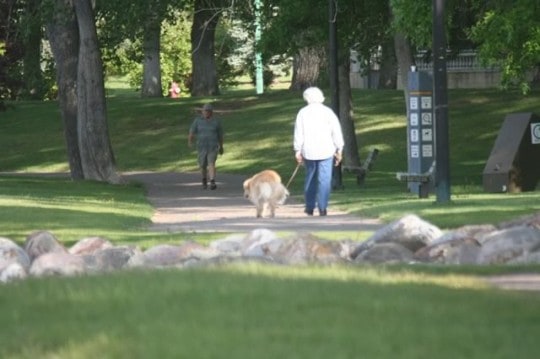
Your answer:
<point x="337" y="182"/>
<point x="442" y="174"/>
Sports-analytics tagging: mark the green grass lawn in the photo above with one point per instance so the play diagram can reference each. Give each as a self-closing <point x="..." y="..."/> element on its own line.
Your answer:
<point x="151" y="135"/>
<point x="257" y="311"/>
<point x="266" y="312"/>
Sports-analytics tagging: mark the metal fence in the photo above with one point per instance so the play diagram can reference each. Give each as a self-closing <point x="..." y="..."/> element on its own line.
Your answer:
<point x="463" y="61"/>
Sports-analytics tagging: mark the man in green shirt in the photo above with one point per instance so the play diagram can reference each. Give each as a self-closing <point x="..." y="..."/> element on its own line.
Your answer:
<point x="208" y="132"/>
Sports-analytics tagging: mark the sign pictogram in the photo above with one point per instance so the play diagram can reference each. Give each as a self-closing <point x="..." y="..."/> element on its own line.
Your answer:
<point x="535" y="133"/>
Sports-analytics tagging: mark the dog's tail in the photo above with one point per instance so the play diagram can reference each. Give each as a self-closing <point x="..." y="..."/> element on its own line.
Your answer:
<point x="281" y="193"/>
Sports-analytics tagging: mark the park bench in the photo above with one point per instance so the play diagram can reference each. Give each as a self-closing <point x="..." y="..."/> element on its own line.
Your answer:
<point x="362" y="171"/>
<point x="424" y="179"/>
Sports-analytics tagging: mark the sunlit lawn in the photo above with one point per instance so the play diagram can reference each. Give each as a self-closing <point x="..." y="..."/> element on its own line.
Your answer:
<point x="267" y="312"/>
<point x="255" y="311"/>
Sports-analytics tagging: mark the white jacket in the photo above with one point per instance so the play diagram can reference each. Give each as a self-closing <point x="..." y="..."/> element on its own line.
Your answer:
<point x="317" y="132"/>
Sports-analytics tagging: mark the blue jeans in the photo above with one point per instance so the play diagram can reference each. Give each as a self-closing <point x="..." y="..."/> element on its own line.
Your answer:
<point x="318" y="183"/>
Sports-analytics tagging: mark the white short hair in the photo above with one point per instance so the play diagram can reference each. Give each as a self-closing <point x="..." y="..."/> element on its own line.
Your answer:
<point x="313" y="95"/>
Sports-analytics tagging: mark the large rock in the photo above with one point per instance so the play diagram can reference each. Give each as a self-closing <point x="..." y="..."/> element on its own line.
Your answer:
<point x="460" y="246"/>
<point x="41" y="242"/>
<point x="410" y="231"/>
<point x="58" y="263"/>
<point x="304" y="248"/>
<point x="253" y="243"/>
<point x="110" y="259"/>
<point x="387" y="253"/>
<point x="14" y="271"/>
<point x="11" y="253"/>
<point x="166" y="255"/>
<point x="90" y="245"/>
<point x="505" y="245"/>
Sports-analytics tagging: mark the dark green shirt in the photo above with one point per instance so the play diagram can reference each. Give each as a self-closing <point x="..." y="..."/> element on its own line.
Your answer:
<point x="208" y="132"/>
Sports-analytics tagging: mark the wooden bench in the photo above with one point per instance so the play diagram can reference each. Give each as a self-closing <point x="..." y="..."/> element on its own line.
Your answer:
<point x="362" y="171"/>
<point x="423" y="179"/>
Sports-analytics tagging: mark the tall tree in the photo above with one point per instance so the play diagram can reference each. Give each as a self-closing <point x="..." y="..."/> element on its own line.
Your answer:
<point x="32" y="73"/>
<point x="63" y="34"/>
<point x="205" y="19"/>
<point x="151" y="85"/>
<point x="96" y="152"/>
<point x="307" y="65"/>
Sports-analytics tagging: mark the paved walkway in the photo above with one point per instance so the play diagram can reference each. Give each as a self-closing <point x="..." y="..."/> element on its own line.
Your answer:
<point x="183" y="206"/>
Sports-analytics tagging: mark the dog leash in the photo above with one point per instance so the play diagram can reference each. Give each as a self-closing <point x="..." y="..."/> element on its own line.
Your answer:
<point x="293" y="175"/>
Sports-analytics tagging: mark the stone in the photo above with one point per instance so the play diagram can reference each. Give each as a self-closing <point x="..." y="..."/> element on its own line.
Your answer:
<point x="502" y="246"/>
<point x="110" y="259"/>
<point x="410" y="231"/>
<point x="90" y="245"/>
<point x="165" y="255"/>
<point x="387" y="253"/>
<point x="41" y="242"/>
<point x="11" y="253"/>
<point x="58" y="263"/>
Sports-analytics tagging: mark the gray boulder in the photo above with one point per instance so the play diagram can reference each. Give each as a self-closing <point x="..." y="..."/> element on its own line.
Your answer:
<point x="166" y="255"/>
<point x="305" y="248"/>
<point x="90" y="245"/>
<point x="505" y="245"/>
<point x="11" y="253"/>
<point x="387" y="253"/>
<point x="57" y="263"/>
<point x="14" y="271"/>
<point x="41" y="242"/>
<point x="410" y="231"/>
<point x="110" y="259"/>
<point x="460" y="246"/>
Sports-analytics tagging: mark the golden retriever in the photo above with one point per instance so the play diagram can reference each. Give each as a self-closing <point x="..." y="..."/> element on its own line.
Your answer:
<point x="266" y="192"/>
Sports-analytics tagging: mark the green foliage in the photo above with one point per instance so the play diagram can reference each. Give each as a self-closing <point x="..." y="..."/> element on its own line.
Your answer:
<point x="232" y="51"/>
<point x="414" y="18"/>
<point x="176" y="51"/>
<point x="509" y="37"/>
<point x="126" y="59"/>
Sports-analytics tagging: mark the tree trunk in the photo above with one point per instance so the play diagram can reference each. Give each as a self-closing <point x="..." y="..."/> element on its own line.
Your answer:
<point x="389" y="71"/>
<point x="405" y="61"/>
<point x="95" y="148"/>
<point x="33" y="77"/>
<point x="306" y="68"/>
<point x="151" y="86"/>
<point x="63" y="36"/>
<point x="404" y="57"/>
<point x="351" y="158"/>
<point x="203" y="31"/>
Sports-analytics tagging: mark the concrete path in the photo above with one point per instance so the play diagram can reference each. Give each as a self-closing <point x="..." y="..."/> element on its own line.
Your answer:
<point x="183" y="206"/>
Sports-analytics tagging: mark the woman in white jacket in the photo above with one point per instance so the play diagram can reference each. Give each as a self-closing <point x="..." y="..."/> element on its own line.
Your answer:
<point x="318" y="143"/>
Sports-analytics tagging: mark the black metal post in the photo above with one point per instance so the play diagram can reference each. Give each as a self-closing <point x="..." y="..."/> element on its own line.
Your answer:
<point x="440" y="99"/>
<point x="337" y="182"/>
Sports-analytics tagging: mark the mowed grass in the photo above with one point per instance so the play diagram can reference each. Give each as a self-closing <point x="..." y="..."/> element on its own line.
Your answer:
<point x="151" y="135"/>
<point x="254" y="311"/>
<point x="266" y="312"/>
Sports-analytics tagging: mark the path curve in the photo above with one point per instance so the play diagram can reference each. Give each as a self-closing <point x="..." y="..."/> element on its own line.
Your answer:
<point x="181" y="205"/>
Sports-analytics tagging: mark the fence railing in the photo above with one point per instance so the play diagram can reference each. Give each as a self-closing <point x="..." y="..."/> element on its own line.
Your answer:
<point x="463" y="61"/>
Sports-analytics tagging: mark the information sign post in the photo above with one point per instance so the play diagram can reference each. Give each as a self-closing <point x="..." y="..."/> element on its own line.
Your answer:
<point x="420" y="130"/>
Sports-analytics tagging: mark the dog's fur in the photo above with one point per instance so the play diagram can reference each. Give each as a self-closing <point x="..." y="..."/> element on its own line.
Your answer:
<point x="266" y="192"/>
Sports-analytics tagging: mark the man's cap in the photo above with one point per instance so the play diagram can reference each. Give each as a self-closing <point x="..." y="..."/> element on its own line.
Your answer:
<point x="208" y="107"/>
